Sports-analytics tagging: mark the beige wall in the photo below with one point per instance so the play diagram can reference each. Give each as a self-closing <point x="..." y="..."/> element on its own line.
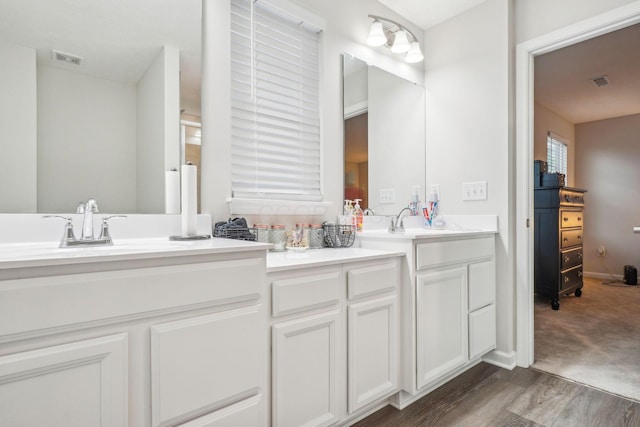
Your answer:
<point x="607" y="166"/>
<point x="545" y="121"/>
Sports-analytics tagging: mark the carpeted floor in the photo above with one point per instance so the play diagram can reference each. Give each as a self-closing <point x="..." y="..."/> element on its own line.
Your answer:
<point x="594" y="339"/>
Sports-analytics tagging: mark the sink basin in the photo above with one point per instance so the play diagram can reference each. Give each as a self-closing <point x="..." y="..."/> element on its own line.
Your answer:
<point x="18" y="252"/>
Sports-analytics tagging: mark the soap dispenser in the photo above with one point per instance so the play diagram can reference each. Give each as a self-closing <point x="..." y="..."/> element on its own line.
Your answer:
<point x="358" y="214"/>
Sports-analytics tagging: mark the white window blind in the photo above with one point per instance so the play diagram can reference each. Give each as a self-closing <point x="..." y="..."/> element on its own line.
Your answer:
<point x="556" y="154"/>
<point x="275" y="115"/>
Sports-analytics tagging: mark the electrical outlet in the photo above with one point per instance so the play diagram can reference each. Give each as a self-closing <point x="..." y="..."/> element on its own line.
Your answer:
<point x="602" y="251"/>
<point x="474" y="190"/>
<point x="387" y="196"/>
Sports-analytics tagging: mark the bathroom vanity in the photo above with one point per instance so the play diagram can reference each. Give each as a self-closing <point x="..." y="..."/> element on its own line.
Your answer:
<point x="448" y="300"/>
<point x="151" y="332"/>
<point x="146" y="333"/>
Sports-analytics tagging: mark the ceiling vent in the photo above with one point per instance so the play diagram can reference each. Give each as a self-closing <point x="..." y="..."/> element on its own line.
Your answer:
<point x="66" y="58"/>
<point x="600" y="81"/>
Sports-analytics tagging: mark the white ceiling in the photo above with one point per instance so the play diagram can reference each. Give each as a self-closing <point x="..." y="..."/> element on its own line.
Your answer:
<point x="118" y="39"/>
<point x="563" y="77"/>
<point x="427" y="13"/>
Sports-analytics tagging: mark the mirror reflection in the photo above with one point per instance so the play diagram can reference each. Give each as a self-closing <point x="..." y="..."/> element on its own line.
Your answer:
<point x="92" y="95"/>
<point x="384" y="131"/>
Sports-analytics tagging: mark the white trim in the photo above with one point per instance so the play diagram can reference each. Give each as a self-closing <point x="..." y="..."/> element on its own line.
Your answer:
<point x="276" y="207"/>
<point x="356" y="109"/>
<point x="525" y="52"/>
<point x="501" y="359"/>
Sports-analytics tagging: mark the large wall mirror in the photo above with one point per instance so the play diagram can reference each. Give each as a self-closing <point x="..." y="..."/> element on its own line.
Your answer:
<point x="97" y="99"/>
<point x="384" y="131"/>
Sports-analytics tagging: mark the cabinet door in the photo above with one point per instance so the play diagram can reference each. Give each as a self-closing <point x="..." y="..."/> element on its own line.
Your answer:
<point x="482" y="284"/>
<point x="442" y="340"/>
<point x="80" y="384"/>
<point x="203" y="363"/>
<point x="372" y="351"/>
<point x="304" y="376"/>
<point x="482" y="331"/>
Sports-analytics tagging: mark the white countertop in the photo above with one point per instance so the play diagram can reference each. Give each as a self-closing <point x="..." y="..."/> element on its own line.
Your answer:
<point x="415" y="234"/>
<point x="287" y="260"/>
<point x="23" y="255"/>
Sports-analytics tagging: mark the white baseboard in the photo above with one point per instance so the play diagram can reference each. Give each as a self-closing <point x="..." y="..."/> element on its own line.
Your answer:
<point x="501" y="359"/>
<point x="604" y="276"/>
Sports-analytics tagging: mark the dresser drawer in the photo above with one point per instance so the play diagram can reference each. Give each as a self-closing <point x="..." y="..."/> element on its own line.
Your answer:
<point x="571" y="219"/>
<point x="374" y="279"/>
<point x="571" y="277"/>
<point x="571" y="258"/>
<point x="449" y="252"/>
<point x="570" y="238"/>
<point x="306" y="292"/>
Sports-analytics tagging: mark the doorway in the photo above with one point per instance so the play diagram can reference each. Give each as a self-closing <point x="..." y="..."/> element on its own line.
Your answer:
<point x="525" y="55"/>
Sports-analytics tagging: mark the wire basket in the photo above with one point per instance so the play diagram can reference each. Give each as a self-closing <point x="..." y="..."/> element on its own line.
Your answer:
<point x="339" y="236"/>
<point x="239" y="233"/>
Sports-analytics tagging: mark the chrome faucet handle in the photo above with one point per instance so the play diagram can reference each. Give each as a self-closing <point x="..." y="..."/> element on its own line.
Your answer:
<point x="68" y="235"/>
<point x="81" y="207"/>
<point x="104" y="231"/>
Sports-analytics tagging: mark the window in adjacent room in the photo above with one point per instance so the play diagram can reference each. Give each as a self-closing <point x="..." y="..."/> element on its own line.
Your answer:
<point x="275" y="103"/>
<point x="556" y="154"/>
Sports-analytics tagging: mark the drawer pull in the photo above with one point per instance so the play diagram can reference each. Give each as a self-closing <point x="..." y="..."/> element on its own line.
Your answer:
<point x="565" y="239"/>
<point x="580" y="255"/>
<point x="579" y="273"/>
<point x="566" y="279"/>
<point x="579" y="237"/>
<point x="565" y="219"/>
<point x="579" y="218"/>
<point x="566" y="258"/>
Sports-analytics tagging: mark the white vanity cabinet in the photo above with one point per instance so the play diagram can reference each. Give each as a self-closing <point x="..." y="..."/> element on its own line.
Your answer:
<point x="455" y="305"/>
<point x="372" y="331"/>
<point x="151" y="342"/>
<point x="448" y="317"/>
<point x="334" y="341"/>
<point x="306" y="344"/>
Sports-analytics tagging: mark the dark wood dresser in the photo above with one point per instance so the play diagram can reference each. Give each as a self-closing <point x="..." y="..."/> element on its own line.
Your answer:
<point x="559" y="225"/>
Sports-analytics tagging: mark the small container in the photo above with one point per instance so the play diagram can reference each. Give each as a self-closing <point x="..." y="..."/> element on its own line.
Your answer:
<point x="278" y="237"/>
<point x="262" y="233"/>
<point x="316" y="236"/>
<point x="298" y="238"/>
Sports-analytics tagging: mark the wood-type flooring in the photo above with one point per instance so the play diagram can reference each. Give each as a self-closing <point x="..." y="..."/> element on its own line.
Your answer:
<point x="487" y="395"/>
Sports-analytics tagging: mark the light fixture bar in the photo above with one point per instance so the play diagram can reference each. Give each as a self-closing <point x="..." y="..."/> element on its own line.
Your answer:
<point x="397" y="24"/>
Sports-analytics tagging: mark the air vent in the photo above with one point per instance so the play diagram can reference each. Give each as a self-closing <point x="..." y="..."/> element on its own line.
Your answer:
<point x="66" y="58"/>
<point x="601" y="81"/>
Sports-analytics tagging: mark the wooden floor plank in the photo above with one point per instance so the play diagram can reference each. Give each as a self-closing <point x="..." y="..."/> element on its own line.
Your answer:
<point x="594" y="408"/>
<point x="490" y="396"/>
<point x="545" y="399"/>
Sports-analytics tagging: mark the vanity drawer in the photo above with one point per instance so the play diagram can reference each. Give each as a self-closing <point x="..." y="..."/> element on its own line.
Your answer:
<point x="569" y="219"/>
<point x="433" y="254"/>
<point x="571" y="258"/>
<point x="76" y="300"/>
<point x="374" y="279"/>
<point x="570" y="238"/>
<point x="291" y="295"/>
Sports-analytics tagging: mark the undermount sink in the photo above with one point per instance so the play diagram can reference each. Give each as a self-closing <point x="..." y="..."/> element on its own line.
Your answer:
<point x="16" y="252"/>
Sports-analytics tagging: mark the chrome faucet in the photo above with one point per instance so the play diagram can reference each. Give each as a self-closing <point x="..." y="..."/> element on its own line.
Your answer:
<point x="395" y="223"/>
<point x="88" y="209"/>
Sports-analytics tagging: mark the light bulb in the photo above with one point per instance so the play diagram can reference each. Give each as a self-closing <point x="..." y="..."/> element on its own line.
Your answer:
<point x="400" y="43"/>
<point x="414" y="55"/>
<point x="376" y="34"/>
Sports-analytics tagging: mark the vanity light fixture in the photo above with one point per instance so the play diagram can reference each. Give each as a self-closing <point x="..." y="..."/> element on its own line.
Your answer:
<point x="394" y="35"/>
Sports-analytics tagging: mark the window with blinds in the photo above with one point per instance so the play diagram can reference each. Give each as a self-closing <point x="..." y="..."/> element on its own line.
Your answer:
<point x="556" y="155"/>
<point x="275" y="116"/>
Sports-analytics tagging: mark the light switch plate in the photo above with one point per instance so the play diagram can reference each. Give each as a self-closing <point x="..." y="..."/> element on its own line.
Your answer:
<point x="474" y="190"/>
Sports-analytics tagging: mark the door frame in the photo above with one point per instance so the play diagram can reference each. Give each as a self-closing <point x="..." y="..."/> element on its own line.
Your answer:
<point x="598" y="25"/>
